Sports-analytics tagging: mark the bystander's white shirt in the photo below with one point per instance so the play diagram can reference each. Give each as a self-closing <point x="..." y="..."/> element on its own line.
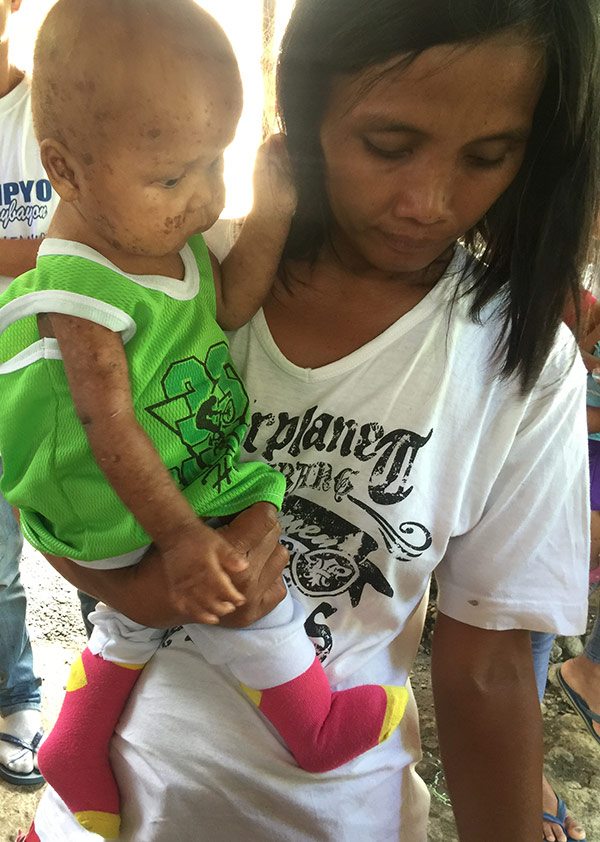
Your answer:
<point x="27" y="200"/>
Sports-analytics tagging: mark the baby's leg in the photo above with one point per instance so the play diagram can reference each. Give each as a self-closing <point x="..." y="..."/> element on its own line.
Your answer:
<point x="322" y="728"/>
<point x="74" y="758"/>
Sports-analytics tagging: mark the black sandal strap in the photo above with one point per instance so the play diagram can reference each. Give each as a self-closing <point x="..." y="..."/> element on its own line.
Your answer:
<point x="15" y="741"/>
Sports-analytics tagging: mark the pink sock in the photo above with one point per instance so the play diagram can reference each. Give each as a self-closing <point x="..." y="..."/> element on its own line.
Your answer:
<point x="325" y="729"/>
<point x="74" y="757"/>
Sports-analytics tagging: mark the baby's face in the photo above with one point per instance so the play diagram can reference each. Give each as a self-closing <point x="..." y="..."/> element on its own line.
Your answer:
<point x="152" y="183"/>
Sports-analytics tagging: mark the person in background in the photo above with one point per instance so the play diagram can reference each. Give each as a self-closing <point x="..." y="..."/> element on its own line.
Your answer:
<point x="559" y="825"/>
<point x="579" y="677"/>
<point x="27" y="201"/>
<point x="417" y="393"/>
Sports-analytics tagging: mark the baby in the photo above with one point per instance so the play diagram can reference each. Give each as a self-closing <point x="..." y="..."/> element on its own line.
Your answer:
<point x="122" y="415"/>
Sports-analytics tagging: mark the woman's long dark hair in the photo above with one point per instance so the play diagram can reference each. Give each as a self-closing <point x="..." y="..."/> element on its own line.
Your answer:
<point x="537" y="237"/>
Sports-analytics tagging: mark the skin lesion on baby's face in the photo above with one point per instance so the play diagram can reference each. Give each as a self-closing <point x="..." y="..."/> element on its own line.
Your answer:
<point x="160" y="180"/>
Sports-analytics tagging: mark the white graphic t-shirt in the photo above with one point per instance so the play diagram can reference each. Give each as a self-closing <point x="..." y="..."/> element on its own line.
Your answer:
<point x="407" y="457"/>
<point x="27" y="200"/>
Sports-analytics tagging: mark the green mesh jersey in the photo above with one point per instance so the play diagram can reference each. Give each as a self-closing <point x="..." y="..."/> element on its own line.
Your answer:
<point x="186" y="394"/>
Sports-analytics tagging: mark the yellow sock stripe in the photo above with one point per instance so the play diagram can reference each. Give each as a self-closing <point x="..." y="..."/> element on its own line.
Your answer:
<point x="254" y="695"/>
<point x="397" y="697"/>
<point x="77" y="677"/>
<point x="104" y="824"/>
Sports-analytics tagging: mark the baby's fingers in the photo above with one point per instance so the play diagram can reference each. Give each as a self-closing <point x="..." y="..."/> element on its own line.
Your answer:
<point x="222" y="592"/>
<point x="233" y="562"/>
<point x="207" y="618"/>
<point x="213" y="615"/>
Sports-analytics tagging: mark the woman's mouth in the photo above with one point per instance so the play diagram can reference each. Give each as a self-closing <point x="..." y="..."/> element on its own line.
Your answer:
<point x="403" y="243"/>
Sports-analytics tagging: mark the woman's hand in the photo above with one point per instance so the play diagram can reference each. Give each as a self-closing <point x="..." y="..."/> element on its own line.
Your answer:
<point x="147" y="592"/>
<point x="255" y="532"/>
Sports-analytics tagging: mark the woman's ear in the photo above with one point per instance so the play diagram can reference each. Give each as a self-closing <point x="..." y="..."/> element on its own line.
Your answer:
<point x="61" y="167"/>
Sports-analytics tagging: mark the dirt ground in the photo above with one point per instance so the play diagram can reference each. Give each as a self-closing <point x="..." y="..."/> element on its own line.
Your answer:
<point x="572" y="756"/>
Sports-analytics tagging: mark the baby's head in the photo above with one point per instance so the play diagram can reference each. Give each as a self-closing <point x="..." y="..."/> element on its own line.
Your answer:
<point x="134" y="102"/>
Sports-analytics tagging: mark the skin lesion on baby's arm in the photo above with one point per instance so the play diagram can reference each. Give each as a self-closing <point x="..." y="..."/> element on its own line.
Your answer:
<point x="98" y="376"/>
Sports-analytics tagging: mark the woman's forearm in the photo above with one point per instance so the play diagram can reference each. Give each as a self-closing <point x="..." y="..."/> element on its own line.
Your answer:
<point x="109" y="586"/>
<point x="485" y="679"/>
<point x="147" y="595"/>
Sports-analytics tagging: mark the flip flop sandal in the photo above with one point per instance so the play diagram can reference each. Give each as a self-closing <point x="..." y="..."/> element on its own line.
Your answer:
<point x="33" y="778"/>
<point x="580" y="707"/>
<point x="560" y="818"/>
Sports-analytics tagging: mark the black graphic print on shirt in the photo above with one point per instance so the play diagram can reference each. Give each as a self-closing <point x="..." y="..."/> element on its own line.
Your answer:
<point x="332" y="559"/>
<point x="206" y="407"/>
<point x="328" y="555"/>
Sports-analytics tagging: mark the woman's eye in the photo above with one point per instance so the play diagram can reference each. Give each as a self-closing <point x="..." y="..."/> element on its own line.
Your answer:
<point x="383" y="152"/>
<point x="487" y="163"/>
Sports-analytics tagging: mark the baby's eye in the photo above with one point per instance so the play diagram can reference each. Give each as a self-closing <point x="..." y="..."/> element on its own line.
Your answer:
<point x="170" y="183"/>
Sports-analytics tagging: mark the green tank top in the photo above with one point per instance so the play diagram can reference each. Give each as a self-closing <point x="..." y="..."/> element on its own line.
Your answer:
<point x="186" y="393"/>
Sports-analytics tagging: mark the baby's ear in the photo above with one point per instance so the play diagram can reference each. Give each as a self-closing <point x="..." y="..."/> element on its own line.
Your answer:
<point x="61" y="167"/>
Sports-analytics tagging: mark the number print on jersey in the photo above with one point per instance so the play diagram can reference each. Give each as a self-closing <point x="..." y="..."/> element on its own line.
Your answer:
<point x="206" y="407"/>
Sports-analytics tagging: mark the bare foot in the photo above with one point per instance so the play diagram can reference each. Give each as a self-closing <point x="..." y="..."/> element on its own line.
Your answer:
<point x="554" y="832"/>
<point x="583" y="676"/>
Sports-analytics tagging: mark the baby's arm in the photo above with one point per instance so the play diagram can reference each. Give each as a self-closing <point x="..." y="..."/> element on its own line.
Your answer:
<point x="248" y="271"/>
<point x="96" y="368"/>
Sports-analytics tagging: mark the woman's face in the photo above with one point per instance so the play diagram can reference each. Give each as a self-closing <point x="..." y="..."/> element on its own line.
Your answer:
<point x="416" y="158"/>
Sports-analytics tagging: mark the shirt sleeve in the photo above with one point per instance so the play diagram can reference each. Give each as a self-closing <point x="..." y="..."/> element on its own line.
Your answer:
<point x="525" y="563"/>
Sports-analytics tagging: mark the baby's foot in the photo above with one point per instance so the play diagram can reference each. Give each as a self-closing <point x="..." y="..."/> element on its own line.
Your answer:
<point x="325" y="729"/>
<point x="75" y="756"/>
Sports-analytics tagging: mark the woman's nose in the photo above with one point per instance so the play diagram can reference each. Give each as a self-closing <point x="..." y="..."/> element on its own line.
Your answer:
<point x="423" y="194"/>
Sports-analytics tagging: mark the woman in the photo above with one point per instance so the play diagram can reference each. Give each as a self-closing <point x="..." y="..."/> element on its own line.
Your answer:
<point x="426" y="416"/>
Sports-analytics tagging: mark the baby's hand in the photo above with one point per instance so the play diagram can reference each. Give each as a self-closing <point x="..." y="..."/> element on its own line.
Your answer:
<point x="198" y="561"/>
<point x="274" y="191"/>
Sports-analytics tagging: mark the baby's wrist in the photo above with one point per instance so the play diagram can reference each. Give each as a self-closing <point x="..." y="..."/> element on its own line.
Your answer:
<point x="175" y="531"/>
